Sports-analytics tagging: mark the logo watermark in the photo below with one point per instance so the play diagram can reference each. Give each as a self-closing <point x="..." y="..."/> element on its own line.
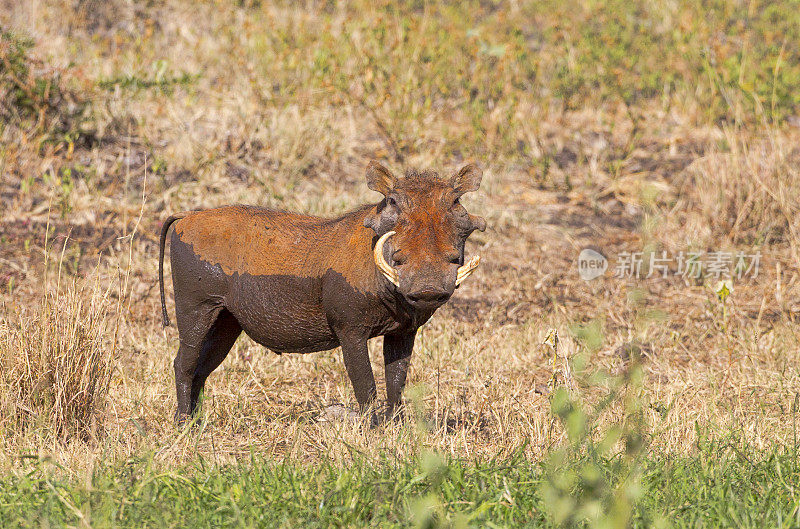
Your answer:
<point x="716" y="265"/>
<point x="591" y="264"/>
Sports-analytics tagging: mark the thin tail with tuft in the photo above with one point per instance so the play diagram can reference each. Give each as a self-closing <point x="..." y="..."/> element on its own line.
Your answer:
<point x="164" y="230"/>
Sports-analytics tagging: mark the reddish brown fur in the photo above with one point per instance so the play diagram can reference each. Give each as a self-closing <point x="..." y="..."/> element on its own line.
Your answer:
<point x="235" y="238"/>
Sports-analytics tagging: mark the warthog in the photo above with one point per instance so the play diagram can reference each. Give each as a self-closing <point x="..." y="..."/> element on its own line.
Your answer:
<point x="298" y="284"/>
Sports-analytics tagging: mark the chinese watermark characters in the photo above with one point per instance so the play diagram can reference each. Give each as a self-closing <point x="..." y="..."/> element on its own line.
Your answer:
<point x="717" y="265"/>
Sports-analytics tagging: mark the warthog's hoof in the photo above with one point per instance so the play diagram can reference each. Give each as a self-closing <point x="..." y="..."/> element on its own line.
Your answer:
<point x="184" y="419"/>
<point x="394" y="415"/>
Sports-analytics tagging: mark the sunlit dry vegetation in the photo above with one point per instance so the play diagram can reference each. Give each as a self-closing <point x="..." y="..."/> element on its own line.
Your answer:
<point x="620" y="126"/>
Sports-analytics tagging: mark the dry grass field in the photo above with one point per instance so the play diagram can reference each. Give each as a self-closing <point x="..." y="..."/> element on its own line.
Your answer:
<point x="623" y="127"/>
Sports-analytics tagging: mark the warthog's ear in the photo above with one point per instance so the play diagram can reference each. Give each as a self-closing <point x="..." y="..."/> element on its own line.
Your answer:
<point x="467" y="179"/>
<point x="379" y="178"/>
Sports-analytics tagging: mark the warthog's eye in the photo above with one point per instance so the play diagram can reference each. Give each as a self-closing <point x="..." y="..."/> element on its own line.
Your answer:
<point x="391" y="201"/>
<point x="456" y="202"/>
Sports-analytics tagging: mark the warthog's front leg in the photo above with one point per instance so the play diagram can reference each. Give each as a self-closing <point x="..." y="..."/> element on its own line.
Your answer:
<point x="396" y="356"/>
<point x="356" y="361"/>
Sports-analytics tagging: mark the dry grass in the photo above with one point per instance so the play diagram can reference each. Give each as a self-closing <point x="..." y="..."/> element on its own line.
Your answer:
<point x="57" y="361"/>
<point x="271" y="119"/>
<point x="745" y="195"/>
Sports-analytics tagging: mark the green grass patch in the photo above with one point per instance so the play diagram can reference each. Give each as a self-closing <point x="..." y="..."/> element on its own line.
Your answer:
<point x="720" y="487"/>
<point x="158" y="79"/>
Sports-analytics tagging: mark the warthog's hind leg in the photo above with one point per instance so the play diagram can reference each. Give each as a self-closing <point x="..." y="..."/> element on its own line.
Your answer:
<point x="194" y="321"/>
<point x="217" y="345"/>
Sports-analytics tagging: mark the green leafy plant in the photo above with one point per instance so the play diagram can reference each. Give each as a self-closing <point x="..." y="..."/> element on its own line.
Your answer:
<point x="34" y="95"/>
<point x="593" y="479"/>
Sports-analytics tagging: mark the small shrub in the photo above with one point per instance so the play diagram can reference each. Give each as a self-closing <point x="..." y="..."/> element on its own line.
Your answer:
<point x="593" y="480"/>
<point x="56" y="364"/>
<point x="34" y="95"/>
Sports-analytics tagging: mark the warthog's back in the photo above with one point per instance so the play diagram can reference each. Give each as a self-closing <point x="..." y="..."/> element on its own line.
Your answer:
<point x="265" y="242"/>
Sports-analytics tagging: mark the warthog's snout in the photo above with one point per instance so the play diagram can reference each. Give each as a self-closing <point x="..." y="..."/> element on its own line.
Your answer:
<point x="428" y="297"/>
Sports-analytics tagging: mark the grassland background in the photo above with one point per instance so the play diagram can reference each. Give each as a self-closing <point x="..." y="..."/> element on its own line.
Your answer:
<point x="624" y="126"/>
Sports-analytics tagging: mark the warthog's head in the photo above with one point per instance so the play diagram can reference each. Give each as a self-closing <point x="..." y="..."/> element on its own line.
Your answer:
<point x="422" y="228"/>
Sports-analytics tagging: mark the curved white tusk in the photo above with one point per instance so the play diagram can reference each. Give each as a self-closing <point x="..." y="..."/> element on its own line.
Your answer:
<point x="387" y="271"/>
<point x="467" y="269"/>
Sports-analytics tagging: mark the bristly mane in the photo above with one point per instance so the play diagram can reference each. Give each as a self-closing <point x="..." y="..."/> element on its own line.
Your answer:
<point x="419" y="180"/>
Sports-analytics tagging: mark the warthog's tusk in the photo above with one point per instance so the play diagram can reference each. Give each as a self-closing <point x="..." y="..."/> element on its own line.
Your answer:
<point x="467" y="269"/>
<point x="387" y="271"/>
<point x="391" y="274"/>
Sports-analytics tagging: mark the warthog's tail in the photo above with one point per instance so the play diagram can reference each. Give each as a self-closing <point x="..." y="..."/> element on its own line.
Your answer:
<point x="164" y="230"/>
